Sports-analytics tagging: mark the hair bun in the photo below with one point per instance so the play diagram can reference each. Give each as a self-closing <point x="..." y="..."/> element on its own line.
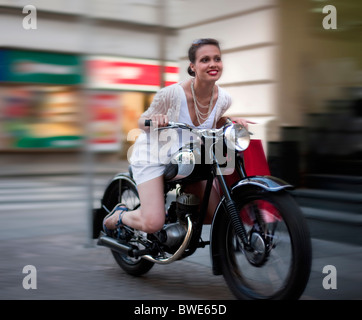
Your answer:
<point x="190" y="72"/>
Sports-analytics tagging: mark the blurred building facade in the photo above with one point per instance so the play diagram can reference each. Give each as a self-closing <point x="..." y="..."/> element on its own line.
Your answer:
<point x="283" y="68"/>
<point x="319" y="92"/>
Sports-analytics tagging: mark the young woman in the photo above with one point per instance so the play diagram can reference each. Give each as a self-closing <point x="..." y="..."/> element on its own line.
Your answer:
<point x="198" y="102"/>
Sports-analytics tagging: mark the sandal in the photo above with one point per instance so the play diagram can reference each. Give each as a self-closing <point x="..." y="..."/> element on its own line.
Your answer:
<point x="119" y="207"/>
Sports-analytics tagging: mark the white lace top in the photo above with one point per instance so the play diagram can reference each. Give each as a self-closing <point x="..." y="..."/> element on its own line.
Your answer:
<point x="155" y="148"/>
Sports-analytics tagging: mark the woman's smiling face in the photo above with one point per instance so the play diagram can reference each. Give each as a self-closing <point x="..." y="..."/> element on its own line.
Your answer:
<point x="208" y="65"/>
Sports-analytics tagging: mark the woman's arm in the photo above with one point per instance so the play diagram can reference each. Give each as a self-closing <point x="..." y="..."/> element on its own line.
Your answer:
<point x="242" y="121"/>
<point x="156" y="112"/>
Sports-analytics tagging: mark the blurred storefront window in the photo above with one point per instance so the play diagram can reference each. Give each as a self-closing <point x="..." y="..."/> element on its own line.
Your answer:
<point x="41" y="92"/>
<point x="119" y="91"/>
<point x="39" y="100"/>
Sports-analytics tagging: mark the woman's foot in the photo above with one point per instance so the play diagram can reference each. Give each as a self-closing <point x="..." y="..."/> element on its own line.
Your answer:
<point x="113" y="220"/>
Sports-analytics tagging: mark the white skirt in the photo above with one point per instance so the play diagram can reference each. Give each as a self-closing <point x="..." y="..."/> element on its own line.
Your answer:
<point x="145" y="173"/>
<point x="148" y="160"/>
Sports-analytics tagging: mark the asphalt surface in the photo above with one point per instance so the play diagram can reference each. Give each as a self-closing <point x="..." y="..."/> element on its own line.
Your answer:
<point x="70" y="266"/>
<point x="44" y="223"/>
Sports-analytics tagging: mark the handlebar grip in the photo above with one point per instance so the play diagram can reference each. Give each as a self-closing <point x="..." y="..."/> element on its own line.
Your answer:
<point x="148" y="123"/>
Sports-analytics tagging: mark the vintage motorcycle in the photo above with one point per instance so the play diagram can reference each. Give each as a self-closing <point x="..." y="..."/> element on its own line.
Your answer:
<point x="259" y="240"/>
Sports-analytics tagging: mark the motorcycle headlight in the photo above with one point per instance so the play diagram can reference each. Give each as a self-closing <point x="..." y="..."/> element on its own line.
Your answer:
<point x="237" y="137"/>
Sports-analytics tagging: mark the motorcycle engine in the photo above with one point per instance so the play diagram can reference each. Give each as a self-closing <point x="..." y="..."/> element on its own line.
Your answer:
<point x="186" y="203"/>
<point x="173" y="234"/>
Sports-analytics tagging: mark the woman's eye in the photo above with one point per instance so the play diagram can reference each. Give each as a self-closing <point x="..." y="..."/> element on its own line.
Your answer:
<point x="204" y="60"/>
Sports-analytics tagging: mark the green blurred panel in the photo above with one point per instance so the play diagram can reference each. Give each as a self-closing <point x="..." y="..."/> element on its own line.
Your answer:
<point x="50" y="142"/>
<point x="43" y="67"/>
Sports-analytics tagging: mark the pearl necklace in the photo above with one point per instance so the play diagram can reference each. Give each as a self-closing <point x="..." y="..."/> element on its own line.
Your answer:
<point x="202" y="117"/>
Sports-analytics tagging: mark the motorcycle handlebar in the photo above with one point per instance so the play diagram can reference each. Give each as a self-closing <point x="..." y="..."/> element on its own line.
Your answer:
<point x="203" y="132"/>
<point x="148" y="123"/>
<point x="174" y="125"/>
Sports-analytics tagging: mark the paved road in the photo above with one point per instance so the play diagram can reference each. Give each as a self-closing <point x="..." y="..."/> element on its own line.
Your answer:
<point x="39" y="228"/>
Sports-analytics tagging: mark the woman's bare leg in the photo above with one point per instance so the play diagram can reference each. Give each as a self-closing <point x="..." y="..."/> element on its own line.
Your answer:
<point x="150" y="217"/>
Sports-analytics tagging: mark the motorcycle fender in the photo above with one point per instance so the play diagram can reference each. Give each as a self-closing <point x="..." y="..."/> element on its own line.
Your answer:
<point x="118" y="179"/>
<point x="267" y="183"/>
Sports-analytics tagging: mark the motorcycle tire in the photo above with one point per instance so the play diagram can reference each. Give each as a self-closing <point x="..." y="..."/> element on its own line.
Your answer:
<point x="278" y="266"/>
<point x="127" y="195"/>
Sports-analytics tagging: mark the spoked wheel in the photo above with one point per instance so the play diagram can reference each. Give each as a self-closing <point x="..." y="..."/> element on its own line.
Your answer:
<point x="125" y="192"/>
<point x="278" y="264"/>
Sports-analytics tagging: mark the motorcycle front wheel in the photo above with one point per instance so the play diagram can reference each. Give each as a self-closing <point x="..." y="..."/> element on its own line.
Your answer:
<point x="125" y="191"/>
<point x="278" y="264"/>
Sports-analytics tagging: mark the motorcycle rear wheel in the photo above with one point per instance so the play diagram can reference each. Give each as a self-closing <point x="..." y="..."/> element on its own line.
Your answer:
<point x="279" y="265"/>
<point x="128" y="195"/>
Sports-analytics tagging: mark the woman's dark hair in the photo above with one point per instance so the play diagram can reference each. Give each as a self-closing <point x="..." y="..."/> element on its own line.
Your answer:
<point x="195" y="46"/>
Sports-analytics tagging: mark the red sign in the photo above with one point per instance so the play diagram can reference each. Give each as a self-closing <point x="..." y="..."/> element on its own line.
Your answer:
<point x="104" y="123"/>
<point x="129" y="74"/>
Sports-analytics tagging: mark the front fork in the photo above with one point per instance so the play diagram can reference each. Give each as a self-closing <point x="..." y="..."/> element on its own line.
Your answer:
<point x="230" y="205"/>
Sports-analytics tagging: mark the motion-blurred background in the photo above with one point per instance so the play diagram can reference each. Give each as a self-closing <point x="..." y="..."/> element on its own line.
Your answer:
<point x="88" y="69"/>
<point x="76" y="75"/>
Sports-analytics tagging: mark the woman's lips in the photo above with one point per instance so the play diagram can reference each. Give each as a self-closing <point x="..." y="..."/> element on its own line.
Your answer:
<point x="213" y="72"/>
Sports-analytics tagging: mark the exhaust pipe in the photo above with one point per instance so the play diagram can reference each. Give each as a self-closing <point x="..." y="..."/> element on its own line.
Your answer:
<point x="180" y="250"/>
<point x="114" y="245"/>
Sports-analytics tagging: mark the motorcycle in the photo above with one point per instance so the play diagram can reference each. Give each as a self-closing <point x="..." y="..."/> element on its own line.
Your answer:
<point x="259" y="239"/>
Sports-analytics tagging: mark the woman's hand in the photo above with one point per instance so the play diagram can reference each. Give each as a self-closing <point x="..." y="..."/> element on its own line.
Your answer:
<point x="242" y="121"/>
<point x="158" y="120"/>
<point x="239" y="120"/>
